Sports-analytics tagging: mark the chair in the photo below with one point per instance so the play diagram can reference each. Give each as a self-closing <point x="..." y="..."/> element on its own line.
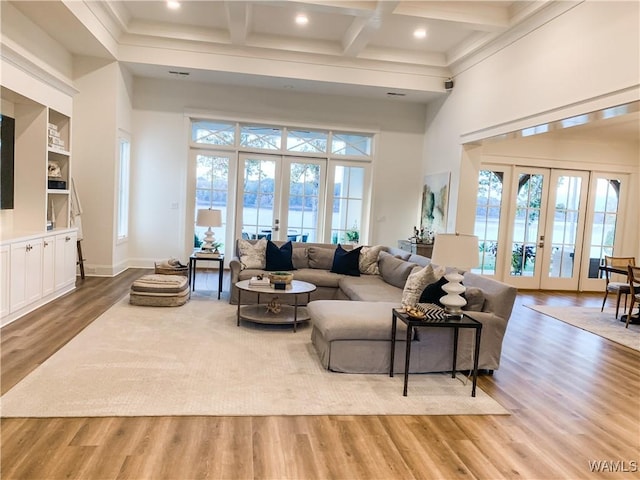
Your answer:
<point x="634" y="287"/>
<point x="619" y="288"/>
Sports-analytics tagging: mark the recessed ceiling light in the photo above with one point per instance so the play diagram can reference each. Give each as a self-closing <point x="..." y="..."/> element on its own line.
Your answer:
<point x="302" y="19"/>
<point x="420" y="33"/>
<point x="173" y="5"/>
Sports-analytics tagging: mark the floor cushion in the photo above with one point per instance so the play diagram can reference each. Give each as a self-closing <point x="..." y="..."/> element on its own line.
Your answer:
<point x="156" y="290"/>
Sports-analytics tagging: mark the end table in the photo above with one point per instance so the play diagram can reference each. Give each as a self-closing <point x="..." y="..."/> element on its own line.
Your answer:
<point x="193" y="259"/>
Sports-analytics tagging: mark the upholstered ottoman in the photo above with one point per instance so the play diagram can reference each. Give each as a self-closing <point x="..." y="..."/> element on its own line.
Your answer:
<point x="159" y="290"/>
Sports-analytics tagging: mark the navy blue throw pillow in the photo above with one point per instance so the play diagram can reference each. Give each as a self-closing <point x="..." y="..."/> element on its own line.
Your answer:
<point x="433" y="292"/>
<point x="278" y="259"/>
<point x="346" y="261"/>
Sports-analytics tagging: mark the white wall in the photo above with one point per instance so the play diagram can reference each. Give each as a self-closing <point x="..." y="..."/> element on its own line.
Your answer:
<point x="160" y="153"/>
<point x="585" y="59"/>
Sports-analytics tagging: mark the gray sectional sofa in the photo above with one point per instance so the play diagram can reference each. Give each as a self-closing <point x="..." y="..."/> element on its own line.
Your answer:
<point x="351" y="315"/>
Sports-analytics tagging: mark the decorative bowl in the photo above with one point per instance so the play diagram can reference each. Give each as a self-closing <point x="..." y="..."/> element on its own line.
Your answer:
<point x="280" y="277"/>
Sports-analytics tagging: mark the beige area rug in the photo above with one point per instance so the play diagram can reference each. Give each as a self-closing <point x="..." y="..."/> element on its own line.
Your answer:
<point x="592" y="320"/>
<point x="194" y="360"/>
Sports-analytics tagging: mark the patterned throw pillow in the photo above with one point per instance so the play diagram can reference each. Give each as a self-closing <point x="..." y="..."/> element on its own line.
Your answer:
<point x="368" y="262"/>
<point x="252" y="255"/>
<point x="417" y="280"/>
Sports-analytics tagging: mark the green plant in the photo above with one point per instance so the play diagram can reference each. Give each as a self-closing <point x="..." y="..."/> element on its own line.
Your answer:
<point x="196" y="241"/>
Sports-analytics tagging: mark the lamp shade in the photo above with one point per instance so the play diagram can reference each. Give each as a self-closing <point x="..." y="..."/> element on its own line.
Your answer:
<point x="209" y="218"/>
<point x="456" y="250"/>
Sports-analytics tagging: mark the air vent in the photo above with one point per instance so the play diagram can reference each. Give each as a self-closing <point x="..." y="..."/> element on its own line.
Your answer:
<point x="179" y="74"/>
<point x="396" y="94"/>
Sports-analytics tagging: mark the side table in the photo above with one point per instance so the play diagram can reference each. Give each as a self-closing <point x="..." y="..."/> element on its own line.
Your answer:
<point x="448" y="322"/>
<point x="193" y="259"/>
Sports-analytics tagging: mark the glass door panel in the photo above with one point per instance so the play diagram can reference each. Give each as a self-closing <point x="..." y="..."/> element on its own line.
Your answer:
<point x="302" y="215"/>
<point x="258" y="197"/>
<point x="527" y="227"/>
<point x="564" y="230"/>
<point x="212" y="187"/>
<point x="487" y="222"/>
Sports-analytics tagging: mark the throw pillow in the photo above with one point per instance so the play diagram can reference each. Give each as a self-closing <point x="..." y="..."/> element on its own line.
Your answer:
<point x="417" y="280"/>
<point x="433" y="292"/>
<point x="368" y="262"/>
<point x="252" y="255"/>
<point x="278" y="259"/>
<point x="393" y="270"/>
<point x="346" y="262"/>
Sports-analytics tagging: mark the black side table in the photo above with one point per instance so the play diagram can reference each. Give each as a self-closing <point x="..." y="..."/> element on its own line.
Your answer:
<point x="448" y="322"/>
<point x="193" y="259"/>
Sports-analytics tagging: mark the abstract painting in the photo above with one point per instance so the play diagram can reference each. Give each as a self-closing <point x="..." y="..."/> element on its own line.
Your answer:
<point x="435" y="200"/>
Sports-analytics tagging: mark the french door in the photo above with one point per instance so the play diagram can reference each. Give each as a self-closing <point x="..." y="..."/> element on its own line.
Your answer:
<point x="280" y="197"/>
<point x="547" y="226"/>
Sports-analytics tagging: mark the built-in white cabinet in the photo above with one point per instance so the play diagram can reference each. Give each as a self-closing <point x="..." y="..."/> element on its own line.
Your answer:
<point x="5" y="253"/>
<point x="25" y="273"/>
<point x="36" y="269"/>
<point x="65" y="260"/>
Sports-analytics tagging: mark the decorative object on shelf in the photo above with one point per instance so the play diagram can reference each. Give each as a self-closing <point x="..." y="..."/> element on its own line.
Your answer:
<point x="460" y="252"/>
<point x="54" y="139"/>
<point x="53" y="169"/>
<point x="435" y="199"/>
<point x="274" y="306"/>
<point x="209" y="218"/>
<point x="281" y="277"/>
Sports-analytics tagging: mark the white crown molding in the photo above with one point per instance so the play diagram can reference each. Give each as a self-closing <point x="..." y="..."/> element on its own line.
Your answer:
<point x="24" y="61"/>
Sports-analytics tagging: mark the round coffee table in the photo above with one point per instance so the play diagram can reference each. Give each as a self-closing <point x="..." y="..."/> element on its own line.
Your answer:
<point x="288" y="313"/>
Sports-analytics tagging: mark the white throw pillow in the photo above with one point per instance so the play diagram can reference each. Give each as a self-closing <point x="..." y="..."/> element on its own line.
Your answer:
<point x="368" y="261"/>
<point x="253" y="255"/>
<point x="417" y="280"/>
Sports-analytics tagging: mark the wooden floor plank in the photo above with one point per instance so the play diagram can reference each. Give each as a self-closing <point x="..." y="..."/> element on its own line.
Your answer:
<point x="573" y="397"/>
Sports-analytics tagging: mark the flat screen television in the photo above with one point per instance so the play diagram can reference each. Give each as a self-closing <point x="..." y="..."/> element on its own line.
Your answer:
<point x="7" y="147"/>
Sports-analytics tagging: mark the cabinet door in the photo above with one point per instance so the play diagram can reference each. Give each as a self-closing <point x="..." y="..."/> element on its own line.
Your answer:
<point x="65" y="265"/>
<point x="48" y="262"/>
<point x="26" y="273"/>
<point x="5" y="286"/>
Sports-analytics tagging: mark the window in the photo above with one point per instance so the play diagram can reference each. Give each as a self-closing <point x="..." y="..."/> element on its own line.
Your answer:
<point x="347" y="203"/>
<point x="123" y="189"/>
<point x="213" y="133"/>
<point x="264" y="138"/>
<point x="487" y="224"/>
<point x="212" y="187"/>
<point x="306" y="141"/>
<point x="351" y="144"/>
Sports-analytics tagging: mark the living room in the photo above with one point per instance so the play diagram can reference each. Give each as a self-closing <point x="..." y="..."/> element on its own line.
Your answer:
<point x="580" y="58"/>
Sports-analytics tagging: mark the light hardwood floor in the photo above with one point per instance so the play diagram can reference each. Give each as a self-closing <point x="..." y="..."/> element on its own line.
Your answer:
<point x="574" y="398"/>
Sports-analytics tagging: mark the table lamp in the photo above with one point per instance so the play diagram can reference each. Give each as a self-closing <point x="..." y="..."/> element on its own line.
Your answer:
<point x="460" y="252"/>
<point x="209" y="218"/>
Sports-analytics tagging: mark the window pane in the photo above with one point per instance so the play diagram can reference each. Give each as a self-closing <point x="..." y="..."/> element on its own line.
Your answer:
<point x="123" y="190"/>
<point x="213" y="133"/>
<point x="605" y="217"/>
<point x="265" y="138"/>
<point x="487" y="223"/>
<point x="347" y="212"/>
<point x="351" y="144"/>
<point x="306" y="141"/>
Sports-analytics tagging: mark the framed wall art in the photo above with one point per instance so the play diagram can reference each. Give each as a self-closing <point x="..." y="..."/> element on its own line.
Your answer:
<point x="435" y="203"/>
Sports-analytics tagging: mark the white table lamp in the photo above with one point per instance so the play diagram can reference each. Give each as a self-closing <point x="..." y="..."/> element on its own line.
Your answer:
<point x="460" y="252"/>
<point x="209" y="218"/>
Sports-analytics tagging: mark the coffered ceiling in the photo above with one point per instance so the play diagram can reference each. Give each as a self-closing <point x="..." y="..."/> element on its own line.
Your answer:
<point x="348" y="47"/>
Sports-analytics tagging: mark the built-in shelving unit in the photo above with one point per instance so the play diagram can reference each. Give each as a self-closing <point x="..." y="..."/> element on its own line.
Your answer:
<point x="37" y="243"/>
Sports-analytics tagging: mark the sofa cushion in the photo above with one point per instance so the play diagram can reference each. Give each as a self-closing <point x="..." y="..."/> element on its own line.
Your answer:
<point x="393" y="270"/>
<point x="417" y="280"/>
<point x="279" y="258"/>
<point x="321" y="258"/>
<point x="369" y="288"/>
<point x="368" y="262"/>
<point x="346" y="262"/>
<point x="475" y="299"/>
<point x="252" y="255"/>
<point x="300" y="258"/>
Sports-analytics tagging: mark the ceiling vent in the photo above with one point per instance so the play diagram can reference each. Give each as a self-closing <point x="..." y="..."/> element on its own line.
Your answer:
<point x="177" y="73"/>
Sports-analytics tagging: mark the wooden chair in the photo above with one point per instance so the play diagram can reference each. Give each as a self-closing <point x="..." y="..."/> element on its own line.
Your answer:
<point x="619" y="288"/>
<point x="634" y="287"/>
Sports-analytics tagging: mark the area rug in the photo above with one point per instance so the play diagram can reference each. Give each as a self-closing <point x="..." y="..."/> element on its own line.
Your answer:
<point x="195" y="360"/>
<point x="593" y="320"/>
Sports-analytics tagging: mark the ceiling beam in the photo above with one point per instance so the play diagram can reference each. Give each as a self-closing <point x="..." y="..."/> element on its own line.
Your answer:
<point x="487" y="18"/>
<point x="238" y="21"/>
<point x="362" y="29"/>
